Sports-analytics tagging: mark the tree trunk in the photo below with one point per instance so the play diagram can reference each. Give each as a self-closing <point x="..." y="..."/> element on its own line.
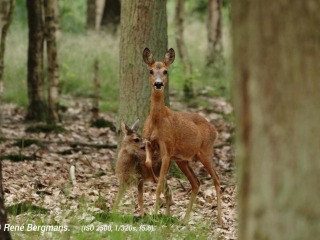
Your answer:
<point x="111" y="15"/>
<point x="53" y="66"/>
<point x="91" y="14"/>
<point x="182" y="49"/>
<point x="143" y="24"/>
<point x="214" y="31"/>
<point x="95" y="12"/>
<point x="276" y="71"/>
<point x="6" y="11"/>
<point x="37" y="106"/>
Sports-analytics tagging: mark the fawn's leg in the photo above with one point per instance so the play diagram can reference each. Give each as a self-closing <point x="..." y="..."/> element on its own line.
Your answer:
<point x="140" y="197"/>
<point x="149" y="161"/>
<point x="168" y="196"/>
<point x="207" y="163"/>
<point x="122" y="189"/>
<point x="195" y="184"/>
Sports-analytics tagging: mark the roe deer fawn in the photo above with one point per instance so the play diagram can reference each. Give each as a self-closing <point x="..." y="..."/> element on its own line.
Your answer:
<point x="178" y="136"/>
<point x="131" y="168"/>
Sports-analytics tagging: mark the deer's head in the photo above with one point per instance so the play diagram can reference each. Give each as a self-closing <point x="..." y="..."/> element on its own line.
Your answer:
<point x="158" y="70"/>
<point x="132" y="141"/>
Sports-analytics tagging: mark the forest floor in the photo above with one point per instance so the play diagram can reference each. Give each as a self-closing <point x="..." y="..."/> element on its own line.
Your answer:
<point x="39" y="193"/>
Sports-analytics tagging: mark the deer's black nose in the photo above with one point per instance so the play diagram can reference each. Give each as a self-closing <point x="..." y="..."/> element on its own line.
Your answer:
<point x="158" y="85"/>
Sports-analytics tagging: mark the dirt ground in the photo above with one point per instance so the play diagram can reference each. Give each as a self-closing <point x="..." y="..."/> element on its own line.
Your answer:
<point x="39" y="174"/>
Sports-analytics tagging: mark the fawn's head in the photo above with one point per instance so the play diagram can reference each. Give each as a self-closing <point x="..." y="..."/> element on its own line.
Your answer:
<point x="158" y="70"/>
<point x="132" y="141"/>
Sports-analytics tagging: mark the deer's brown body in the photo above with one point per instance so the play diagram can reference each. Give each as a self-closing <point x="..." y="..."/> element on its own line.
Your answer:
<point x="131" y="169"/>
<point x="178" y="136"/>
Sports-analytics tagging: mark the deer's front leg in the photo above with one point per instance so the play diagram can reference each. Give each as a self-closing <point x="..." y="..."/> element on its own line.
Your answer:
<point x="149" y="160"/>
<point x="165" y="158"/>
<point x="140" y="197"/>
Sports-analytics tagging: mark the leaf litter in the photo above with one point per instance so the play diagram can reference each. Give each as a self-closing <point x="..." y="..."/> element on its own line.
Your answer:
<point x="45" y="183"/>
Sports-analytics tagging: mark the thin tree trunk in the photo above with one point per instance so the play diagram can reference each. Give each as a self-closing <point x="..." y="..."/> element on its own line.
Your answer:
<point x="182" y="49"/>
<point x="91" y="14"/>
<point x="53" y="66"/>
<point x="214" y="31"/>
<point x="276" y="59"/>
<point x="96" y="85"/>
<point x="6" y="11"/>
<point x="143" y="24"/>
<point x="37" y="107"/>
<point x="100" y="6"/>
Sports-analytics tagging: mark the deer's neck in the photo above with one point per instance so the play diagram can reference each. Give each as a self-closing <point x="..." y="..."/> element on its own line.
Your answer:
<point x="158" y="108"/>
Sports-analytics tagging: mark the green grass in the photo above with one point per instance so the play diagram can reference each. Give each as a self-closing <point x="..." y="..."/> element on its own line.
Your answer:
<point x="83" y="224"/>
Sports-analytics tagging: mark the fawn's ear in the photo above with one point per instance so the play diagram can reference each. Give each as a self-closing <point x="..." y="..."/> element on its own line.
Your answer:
<point x="169" y="57"/>
<point x="147" y="56"/>
<point x="125" y="129"/>
<point x="135" y="126"/>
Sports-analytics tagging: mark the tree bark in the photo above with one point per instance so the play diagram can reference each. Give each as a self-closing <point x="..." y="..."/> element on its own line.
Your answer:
<point x="6" y="11"/>
<point x="143" y="24"/>
<point x="182" y="49"/>
<point x="53" y="66"/>
<point x="214" y="33"/>
<point x="276" y="72"/>
<point x="37" y="107"/>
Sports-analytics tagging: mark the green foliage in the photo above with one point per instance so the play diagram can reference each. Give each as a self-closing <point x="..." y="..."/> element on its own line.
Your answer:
<point x="102" y="123"/>
<point x="45" y="128"/>
<point x="22" y="143"/>
<point x="72" y="14"/>
<point x="16" y="157"/>
<point x="20" y="208"/>
<point x="77" y="50"/>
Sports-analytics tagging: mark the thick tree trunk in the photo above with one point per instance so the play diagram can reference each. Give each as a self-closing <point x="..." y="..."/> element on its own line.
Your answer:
<point x="182" y="49"/>
<point x="6" y="11"/>
<point x="53" y="66"/>
<point x="143" y="24"/>
<point x="276" y="70"/>
<point x="214" y="33"/>
<point x="37" y="106"/>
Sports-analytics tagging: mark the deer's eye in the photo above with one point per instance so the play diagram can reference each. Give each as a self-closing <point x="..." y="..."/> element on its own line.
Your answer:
<point x="151" y="71"/>
<point x="136" y="140"/>
<point x="165" y="72"/>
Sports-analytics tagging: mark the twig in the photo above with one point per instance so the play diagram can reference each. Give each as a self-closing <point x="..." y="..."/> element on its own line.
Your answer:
<point x="72" y="172"/>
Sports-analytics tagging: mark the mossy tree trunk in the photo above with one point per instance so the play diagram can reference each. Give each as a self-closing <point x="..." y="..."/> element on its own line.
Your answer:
<point x="143" y="24"/>
<point x="6" y="11"/>
<point x="37" y="107"/>
<point x="276" y="71"/>
<point x="53" y="66"/>
<point x="182" y="49"/>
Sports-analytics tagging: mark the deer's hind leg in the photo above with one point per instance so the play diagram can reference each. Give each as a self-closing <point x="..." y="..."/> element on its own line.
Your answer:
<point x="122" y="190"/>
<point x="206" y="160"/>
<point x="195" y="185"/>
<point x="140" y="197"/>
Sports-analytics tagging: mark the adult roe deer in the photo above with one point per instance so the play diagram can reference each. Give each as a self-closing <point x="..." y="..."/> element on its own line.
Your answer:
<point x="178" y="136"/>
<point x="131" y="169"/>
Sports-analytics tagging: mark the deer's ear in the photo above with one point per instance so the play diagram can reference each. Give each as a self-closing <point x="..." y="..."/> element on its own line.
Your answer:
<point x="135" y="126"/>
<point x="169" y="57"/>
<point x="147" y="56"/>
<point x="125" y="129"/>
